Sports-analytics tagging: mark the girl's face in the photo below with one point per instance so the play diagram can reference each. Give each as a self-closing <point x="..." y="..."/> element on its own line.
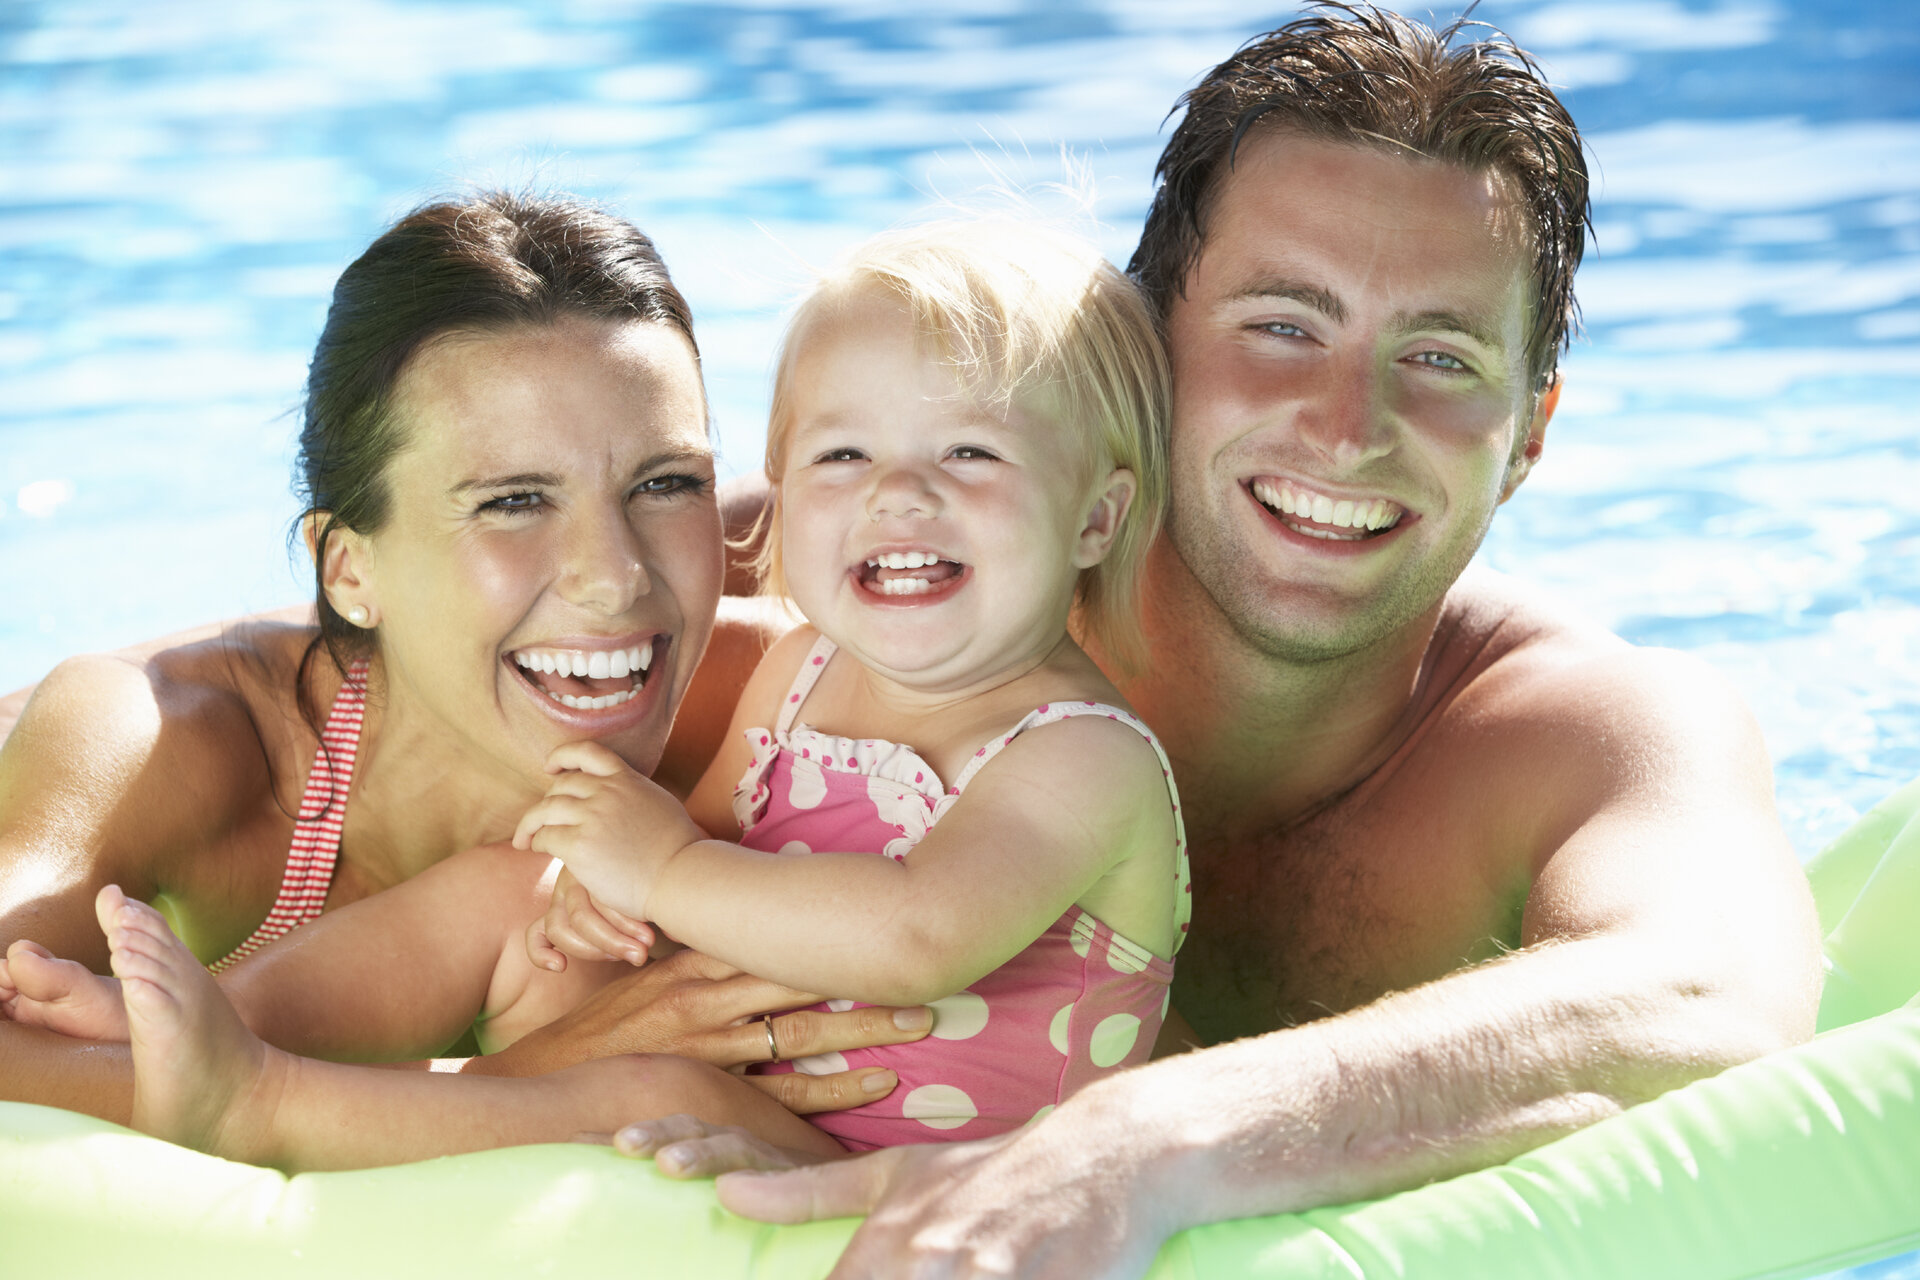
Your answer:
<point x="552" y="560"/>
<point x="936" y="537"/>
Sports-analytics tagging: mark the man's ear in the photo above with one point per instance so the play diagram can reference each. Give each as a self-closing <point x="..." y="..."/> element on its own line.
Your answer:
<point x="1103" y="522"/>
<point x="344" y="568"/>
<point x="1535" y="441"/>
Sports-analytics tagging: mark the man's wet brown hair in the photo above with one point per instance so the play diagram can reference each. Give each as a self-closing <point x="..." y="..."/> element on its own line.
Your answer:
<point x="1356" y="74"/>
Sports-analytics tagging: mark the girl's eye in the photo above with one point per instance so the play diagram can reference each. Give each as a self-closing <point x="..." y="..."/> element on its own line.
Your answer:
<point x="514" y="503"/>
<point x="973" y="452"/>
<point x="841" y="455"/>
<point x="1440" y="360"/>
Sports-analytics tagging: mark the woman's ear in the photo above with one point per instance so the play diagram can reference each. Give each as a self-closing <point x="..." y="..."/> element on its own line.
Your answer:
<point x="344" y="568"/>
<point x="1103" y="522"/>
<point x="1534" y="443"/>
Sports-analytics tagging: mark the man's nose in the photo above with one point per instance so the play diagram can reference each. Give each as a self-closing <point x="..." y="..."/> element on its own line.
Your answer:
<point x="1349" y="418"/>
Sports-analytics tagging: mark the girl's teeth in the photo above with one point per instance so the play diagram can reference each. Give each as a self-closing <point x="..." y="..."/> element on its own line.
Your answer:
<point x="902" y="586"/>
<point x="904" y="560"/>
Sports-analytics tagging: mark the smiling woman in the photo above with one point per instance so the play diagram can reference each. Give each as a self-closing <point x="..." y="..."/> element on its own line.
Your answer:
<point x="511" y="514"/>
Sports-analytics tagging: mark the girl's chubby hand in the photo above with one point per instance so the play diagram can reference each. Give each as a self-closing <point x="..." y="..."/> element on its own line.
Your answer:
<point x="575" y="925"/>
<point x="613" y="828"/>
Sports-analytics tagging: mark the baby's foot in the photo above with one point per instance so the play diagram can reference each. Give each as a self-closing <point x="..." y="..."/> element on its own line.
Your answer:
<point x="38" y="989"/>
<point x="200" y="1076"/>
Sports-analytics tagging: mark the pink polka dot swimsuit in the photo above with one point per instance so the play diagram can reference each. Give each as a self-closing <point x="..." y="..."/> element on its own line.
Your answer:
<point x="1078" y="1003"/>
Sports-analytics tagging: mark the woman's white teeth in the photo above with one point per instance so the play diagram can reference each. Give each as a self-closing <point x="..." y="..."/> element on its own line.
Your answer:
<point x="591" y="704"/>
<point x="904" y="560"/>
<point x="600" y="664"/>
<point x="1317" y="507"/>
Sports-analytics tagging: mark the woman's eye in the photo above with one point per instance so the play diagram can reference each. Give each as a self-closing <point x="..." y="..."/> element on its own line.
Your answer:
<point x="671" y="484"/>
<point x="514" y="503"/>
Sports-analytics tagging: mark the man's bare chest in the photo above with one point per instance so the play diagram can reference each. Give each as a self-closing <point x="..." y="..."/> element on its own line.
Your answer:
<point x="1330" y="915"/>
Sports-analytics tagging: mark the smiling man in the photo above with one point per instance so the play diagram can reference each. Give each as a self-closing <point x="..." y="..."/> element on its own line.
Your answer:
<point x="1468" y="874"/>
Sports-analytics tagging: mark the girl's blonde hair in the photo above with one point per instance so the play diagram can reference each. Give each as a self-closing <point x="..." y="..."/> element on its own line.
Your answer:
<point x="1021" y="312"/>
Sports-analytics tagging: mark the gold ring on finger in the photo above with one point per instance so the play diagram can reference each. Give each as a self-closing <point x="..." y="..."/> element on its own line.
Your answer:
<point x="773" y="1050"/>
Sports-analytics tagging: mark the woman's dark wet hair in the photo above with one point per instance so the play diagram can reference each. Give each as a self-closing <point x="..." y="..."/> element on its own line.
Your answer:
<point x="1357" y="74"/>
<point x="492" y="262"/>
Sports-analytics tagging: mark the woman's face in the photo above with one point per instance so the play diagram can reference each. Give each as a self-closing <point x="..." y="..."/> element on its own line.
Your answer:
<point x="552" y="559"/>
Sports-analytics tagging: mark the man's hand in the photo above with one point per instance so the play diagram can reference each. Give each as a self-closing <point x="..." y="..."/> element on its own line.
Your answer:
<point x="697" y="1007"/>
<point x="614" y="828"/>
<point x="1037" y="1203"/>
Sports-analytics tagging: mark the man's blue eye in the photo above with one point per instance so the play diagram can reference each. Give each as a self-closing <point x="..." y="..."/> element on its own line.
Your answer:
<point x="1442" y="360"/>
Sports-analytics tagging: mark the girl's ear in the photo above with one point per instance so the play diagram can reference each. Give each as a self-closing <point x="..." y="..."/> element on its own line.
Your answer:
<point x="1103" y="522"/>
<point x="345" y="568"/>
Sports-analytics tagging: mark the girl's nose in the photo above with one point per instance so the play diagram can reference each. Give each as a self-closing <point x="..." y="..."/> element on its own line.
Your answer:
<point x="902" y="491"/>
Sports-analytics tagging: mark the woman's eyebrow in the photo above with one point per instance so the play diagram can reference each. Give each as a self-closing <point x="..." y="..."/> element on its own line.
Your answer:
<point x="527" y="480"/>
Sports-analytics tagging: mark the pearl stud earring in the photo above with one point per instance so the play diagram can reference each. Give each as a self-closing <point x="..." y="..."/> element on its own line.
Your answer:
<point x="357" y="615"/>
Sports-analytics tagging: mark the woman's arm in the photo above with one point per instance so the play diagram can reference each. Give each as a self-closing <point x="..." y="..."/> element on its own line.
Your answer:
<point x="113" y="775"/>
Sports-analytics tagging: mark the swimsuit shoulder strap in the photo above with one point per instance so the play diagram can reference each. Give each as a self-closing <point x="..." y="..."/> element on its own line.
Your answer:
<point x="1052" y="713"/>
<point x="803" y="681"/>
<point x="315" y="850"/>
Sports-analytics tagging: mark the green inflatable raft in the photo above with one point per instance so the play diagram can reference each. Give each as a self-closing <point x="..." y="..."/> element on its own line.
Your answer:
<point x="1801" y="1163"/>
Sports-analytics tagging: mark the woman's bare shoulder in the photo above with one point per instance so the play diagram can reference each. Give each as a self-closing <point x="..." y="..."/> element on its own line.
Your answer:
<point x="124" y="754"/>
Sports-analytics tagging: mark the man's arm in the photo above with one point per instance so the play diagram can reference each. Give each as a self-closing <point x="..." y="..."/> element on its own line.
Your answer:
<point x="1669" y="935"/>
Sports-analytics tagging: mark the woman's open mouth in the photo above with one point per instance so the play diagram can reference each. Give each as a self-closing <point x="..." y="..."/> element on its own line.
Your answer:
<point x="588" y="679"/>
<point x="909" y="575"/>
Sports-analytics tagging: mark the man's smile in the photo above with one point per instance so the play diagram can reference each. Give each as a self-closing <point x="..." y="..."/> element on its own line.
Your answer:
<point x="1319" y="515"/>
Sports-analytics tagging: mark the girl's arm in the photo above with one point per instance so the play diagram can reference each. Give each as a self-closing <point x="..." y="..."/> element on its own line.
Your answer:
<point x="1061" y="809"/>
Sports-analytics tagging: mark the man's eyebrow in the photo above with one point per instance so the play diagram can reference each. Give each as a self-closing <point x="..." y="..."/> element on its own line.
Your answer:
<point x="1325" y="301"/>
<point x="1454" y="322"/>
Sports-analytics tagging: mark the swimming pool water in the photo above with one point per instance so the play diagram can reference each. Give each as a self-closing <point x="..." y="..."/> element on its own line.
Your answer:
<point x="1735" y="469"/>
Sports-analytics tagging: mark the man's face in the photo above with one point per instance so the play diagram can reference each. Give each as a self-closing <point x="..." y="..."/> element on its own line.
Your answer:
<point x="1350" y="395"/>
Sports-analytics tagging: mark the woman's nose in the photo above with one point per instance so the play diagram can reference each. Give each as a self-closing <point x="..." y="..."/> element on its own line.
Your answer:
<point x="606" y="566"/>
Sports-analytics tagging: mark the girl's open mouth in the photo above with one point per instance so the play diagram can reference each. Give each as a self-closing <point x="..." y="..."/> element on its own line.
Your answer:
<point x="909" y="575"/>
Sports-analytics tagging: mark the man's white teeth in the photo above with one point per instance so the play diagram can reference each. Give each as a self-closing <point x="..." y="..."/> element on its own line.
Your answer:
<point x="600" y="664"/>
<point x="1317" y="507"/>
<point x="904" y="560"/>
<point x="902" y="586"/>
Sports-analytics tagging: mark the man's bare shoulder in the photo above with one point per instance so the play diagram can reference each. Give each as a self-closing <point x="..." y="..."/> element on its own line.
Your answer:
<point x="1583" y="714"/>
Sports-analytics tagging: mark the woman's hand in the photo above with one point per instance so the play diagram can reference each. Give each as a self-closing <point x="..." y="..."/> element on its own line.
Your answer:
<point x="576" y="925"/>
<point x="698" y="1007"/>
